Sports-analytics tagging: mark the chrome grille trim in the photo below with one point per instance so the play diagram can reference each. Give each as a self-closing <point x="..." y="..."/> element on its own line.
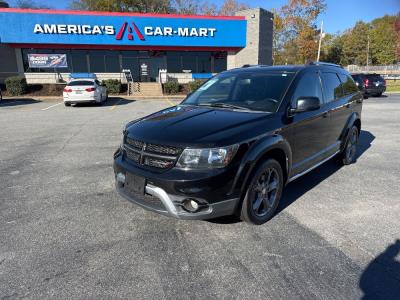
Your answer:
<point x="152" y="155"/>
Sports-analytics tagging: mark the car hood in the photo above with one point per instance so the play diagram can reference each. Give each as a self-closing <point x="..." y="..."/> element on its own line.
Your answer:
<point x="193" y="126"/>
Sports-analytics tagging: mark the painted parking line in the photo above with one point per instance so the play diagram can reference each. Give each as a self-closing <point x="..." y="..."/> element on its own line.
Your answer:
<point x="116" y="104"/>
<point x="170" y="102"/>
<point x="51" y="106"/>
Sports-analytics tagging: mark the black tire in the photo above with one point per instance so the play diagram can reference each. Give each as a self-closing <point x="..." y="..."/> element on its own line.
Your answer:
<point x="263" y="193"/>
<point x="378" y="95"/>
<point x="67" y="104"/>
<point x="349" y="152"/>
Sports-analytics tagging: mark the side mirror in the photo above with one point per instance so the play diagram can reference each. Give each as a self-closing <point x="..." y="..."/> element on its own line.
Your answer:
<point x="304" y="104"/>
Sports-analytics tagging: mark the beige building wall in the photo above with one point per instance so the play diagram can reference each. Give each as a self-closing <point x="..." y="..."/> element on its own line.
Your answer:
<point x="258" y="50"/>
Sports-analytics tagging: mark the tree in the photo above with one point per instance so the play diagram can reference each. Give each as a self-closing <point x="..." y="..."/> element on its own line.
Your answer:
<point x="144" y="6"/>
<point x="355" y="44"/>
<point x="383" y="40"/>
<point x="296" y="31"/>
<point x="30" y="4"/>
<point x="230" y="7"/>
<point x="4" y="4"/>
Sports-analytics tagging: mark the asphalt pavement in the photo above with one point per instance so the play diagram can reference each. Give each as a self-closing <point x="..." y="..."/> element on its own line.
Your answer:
<point x="65" y="233"/>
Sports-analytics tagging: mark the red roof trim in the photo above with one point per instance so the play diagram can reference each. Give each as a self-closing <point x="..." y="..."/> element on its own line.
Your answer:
<point x="100" y="13"/>
<point x="123" y="47"/>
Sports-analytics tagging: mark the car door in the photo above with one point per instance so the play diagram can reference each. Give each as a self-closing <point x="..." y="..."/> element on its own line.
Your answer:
<point x="310" y="137"/>
<point x="339" y="104"/>
<point x="344" y="106"/>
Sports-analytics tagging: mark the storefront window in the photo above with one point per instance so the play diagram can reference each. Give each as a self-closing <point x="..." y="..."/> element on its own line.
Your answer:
<point x="96" y="61"/>
<point x="189" y="61"/>
<point x="174" y="62"/>
<point x="79" y="61"/>
<point x="203" y="62"/>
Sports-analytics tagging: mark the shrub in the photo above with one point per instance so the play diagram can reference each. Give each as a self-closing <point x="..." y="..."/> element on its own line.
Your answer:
<point x="113" y="86"/>
<point x="171" y="87"/>
<point x="194" y="85"/>
<point x="16" y="85"/>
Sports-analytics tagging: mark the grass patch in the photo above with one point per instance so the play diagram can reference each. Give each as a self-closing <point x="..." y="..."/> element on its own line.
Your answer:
<point x="393" y="88"/>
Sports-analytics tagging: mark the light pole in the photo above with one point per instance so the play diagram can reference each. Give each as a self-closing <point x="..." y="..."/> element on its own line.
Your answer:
<point x="368" y="53"/>
<point x="320" y="40"/>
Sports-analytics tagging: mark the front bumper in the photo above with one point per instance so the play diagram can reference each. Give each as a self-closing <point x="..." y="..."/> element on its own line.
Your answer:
<point x="163" y="194"/>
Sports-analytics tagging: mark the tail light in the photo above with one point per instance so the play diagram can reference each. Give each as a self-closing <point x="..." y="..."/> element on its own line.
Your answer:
<point x="67" y="90"/>
<point x="92" y="89"/>
<point x="366" y="82"/>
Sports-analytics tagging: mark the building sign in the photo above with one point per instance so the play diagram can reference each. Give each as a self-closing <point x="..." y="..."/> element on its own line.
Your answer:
<point x="47" y="60"/>
<point x="94" y="28"/>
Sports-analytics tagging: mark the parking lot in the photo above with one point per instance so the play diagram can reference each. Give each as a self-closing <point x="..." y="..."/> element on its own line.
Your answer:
<point x="65" y="233"/>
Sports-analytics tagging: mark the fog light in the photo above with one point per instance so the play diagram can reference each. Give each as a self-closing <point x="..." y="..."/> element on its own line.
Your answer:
<point x="190" y="205"/>
<point x="121" y="178"/>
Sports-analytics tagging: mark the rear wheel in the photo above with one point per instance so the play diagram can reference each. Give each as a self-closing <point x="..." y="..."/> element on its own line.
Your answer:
<point x="378" y="95"/>
<point x="349" y="153"/>
<point x="67" y="104"/>
<point x="263" y="193"/>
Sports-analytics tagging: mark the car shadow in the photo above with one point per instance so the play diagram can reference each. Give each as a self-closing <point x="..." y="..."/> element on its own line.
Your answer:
<point x="381" y="278"/>
<point x="302" y="185"/>
<point x="17" y="102"/>
<point x="299" y="187"/>
<point x="111" y="101"/>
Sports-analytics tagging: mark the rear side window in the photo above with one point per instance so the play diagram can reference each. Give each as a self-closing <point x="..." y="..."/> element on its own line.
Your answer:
<point x="332" y="86"/>
<point x="349" y="86"/>
<point x="308" y="86"/>
<point x="80" y="82"/>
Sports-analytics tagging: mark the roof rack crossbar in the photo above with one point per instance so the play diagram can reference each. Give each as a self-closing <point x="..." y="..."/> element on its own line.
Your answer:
<point x="321" y="63"/>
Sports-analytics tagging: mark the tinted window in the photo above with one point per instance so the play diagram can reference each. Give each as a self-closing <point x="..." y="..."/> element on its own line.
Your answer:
<point x="308" y="86"/>
<point x="332" y="86"/>
<point x="374" y="77"/>
<point x="80" y="82"/>
<point x="349" y="86"/>
<point x="254" y="91"/>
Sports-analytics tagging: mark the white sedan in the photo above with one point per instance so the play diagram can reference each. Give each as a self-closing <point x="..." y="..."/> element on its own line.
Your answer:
<point x="84" y="90"/>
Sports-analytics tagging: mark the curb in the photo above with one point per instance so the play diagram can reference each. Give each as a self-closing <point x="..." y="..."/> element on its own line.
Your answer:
<point x="132" y="98"/>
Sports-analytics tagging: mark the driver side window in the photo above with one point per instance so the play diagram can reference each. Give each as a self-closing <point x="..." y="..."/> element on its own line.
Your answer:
<point x="308" y="86"/>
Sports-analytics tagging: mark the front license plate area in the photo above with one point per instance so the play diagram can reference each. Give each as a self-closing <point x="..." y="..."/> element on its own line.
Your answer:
<point x="135" y="184"/>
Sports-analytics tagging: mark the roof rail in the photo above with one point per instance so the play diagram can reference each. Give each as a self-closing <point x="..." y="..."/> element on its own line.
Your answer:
<point x="321" y="63"/>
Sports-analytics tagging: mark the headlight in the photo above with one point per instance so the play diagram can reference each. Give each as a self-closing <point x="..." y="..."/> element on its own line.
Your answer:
<point x="207" y="158"/>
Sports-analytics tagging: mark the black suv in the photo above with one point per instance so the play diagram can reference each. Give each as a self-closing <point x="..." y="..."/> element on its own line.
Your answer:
<point x="231" y="146"/>
<point x="370" y="84"/>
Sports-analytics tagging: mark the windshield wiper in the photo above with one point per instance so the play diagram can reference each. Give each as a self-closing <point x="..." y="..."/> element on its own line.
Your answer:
<point x="222" y="105"/>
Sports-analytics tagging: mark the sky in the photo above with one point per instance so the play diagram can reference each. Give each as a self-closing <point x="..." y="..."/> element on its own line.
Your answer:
<point x="340" y="14"/>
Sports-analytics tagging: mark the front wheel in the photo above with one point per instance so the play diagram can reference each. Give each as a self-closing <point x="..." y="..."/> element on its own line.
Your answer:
<point x="263" y="193"/>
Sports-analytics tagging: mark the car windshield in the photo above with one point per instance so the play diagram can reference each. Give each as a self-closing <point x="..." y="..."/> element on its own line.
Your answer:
<point x="247" y="91"/>
<point x="80" y="82"/>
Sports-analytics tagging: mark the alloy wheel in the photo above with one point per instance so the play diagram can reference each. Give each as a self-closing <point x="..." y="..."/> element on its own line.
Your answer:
<point x="265" y="192"/>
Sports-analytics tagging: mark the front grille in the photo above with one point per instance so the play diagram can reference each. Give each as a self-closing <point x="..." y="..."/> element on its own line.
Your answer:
<point x="152" y="155"/>
<point x="134" y="143"/>
<point x="163" y="149"/>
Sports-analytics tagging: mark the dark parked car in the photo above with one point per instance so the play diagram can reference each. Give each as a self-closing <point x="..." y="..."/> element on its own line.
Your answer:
<point x="370" y="84"/>
<point x="233" y="144"/>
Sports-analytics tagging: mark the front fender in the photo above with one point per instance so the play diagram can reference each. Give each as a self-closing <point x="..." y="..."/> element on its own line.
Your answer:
<point x="255" y="153"/>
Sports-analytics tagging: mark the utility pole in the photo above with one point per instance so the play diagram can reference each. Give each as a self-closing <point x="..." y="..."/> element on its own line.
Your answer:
<point x="368" y="53"/>
<point x="320" y="40"/>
